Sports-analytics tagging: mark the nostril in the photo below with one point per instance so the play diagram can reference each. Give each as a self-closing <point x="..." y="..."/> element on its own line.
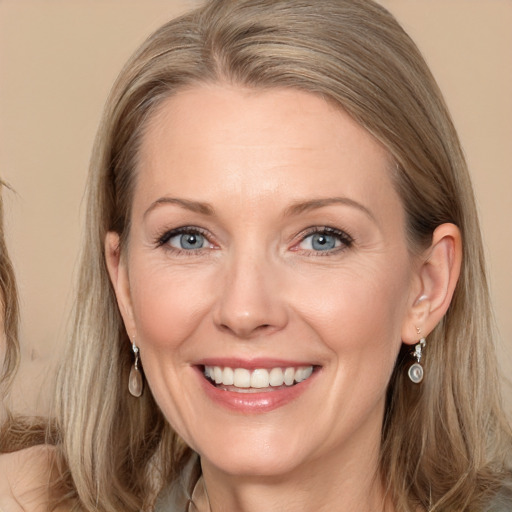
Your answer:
<point x="265" y="329"/>
<point x="247" y="331"/>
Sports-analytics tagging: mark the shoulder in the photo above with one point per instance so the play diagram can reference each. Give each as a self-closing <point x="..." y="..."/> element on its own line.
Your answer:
<point x="24" y="479"/>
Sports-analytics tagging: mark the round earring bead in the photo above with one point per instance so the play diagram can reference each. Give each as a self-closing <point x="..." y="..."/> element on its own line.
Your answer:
<point x="416" y="373"/>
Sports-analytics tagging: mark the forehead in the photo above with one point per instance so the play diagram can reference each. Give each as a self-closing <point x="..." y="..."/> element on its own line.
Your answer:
<point x="250" y="142"/>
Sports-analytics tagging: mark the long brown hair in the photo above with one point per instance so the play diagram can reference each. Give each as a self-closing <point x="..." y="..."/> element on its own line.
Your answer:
<point x="445" y="444"/>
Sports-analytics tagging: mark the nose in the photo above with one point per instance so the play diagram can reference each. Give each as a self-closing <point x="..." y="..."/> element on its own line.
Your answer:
<point x="251" y="298"/>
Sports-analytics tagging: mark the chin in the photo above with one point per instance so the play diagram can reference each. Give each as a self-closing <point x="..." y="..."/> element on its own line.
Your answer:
<point x="246" y="465"/>
<point x="256" y="453"/>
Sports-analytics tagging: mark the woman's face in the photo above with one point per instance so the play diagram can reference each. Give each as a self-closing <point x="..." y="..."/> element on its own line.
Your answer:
<point x="267" y="252"/>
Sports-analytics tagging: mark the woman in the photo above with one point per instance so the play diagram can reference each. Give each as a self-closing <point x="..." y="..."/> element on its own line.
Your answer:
<point x="280" y="227"/>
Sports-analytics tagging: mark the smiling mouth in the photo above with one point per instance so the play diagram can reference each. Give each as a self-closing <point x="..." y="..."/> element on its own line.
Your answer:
<point x="243" y="380"/>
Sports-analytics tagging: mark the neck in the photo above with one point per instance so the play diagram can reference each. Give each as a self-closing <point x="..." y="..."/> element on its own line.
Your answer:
<point x="347" y="480"/>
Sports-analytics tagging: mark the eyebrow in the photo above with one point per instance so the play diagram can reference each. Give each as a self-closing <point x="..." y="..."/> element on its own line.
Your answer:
<point x="294" y="209"/>
<point x="193" y="206"/>
<point x="313" y="204"/>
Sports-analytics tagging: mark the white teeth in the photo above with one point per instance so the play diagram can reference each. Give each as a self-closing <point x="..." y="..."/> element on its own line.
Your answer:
<point x="303" y="373"/>
<point x="307" y="372"/>
<point x="289" y="376"/>
<point x="217" y="375"/>
<point x="228" y="378"/>
<point x="276" y="377"/>
<point x="259" y="378"/>
<point x="242" y="378"/>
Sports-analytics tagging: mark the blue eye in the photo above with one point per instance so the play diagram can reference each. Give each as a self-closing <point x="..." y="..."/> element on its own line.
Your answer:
<point x="320" y="242"/>
<point x="188" y="241"/>
<point x="324" y="240"/>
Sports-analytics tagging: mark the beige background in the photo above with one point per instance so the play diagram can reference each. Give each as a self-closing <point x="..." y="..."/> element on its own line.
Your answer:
<point x="58" y="59"/>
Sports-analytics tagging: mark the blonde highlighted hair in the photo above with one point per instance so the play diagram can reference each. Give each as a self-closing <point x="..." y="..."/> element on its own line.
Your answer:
<point x="445" y="443"/>
<point x="9" y="310"/>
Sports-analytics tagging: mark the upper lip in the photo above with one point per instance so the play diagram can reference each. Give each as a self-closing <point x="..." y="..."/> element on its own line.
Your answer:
<point x="252" y="364"/>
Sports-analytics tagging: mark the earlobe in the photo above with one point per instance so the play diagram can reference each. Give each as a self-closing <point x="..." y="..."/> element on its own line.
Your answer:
<point x="437" y="273"/>
<point x="119" y="277"/>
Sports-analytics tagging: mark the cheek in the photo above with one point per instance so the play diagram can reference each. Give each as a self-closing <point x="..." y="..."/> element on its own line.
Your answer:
<point x="362" y="308"/>
<point x="168" y="308"/>
<point x="360" y="322"/>
<point x="168" y="305"/>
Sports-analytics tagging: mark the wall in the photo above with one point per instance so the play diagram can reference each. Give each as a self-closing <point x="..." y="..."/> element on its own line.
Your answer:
<point x="58" y="59"/>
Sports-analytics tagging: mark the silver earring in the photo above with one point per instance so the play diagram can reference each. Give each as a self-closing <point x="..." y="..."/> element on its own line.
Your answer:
<point x="135" y="384"/>
<point x="416" y="370"/>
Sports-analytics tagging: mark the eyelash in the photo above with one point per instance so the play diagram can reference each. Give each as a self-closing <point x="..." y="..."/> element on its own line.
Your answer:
<point x="161" y="240"/>
<point x="345" y="239"/>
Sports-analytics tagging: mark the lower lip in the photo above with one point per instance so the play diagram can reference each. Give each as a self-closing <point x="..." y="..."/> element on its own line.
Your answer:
<point x="254" y="402"/>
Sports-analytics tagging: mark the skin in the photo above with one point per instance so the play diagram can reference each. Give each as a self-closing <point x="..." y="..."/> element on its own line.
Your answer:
<point x="258" y="288"/>
<point x="24" y="477"/>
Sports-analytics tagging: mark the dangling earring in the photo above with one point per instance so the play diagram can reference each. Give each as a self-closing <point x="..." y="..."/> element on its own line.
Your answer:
<point x="416" y="370"/>
<point x="135" y="384"/>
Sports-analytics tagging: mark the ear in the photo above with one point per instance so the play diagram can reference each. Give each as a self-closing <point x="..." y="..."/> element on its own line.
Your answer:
<point x="437" y="274"/>
<point x="118" y="272"/>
